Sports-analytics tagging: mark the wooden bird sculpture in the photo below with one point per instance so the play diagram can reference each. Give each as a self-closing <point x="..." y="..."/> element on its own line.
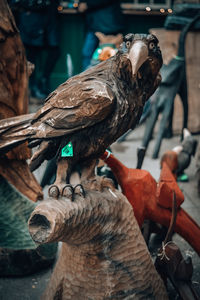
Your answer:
<point x="88" y="112"/>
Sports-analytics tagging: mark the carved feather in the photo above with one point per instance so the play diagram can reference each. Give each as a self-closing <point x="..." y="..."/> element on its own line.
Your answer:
<point x="96" y="107"/>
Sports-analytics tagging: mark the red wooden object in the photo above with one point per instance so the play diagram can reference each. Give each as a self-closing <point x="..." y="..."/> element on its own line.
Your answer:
<point x="166" y="185"/>
<point x="171" y="159"/>
<point x="152" y="200"/>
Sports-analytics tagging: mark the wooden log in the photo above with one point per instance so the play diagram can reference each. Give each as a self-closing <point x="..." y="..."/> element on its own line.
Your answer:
<point x="14" y="72"/>
<point x="13" y="75"/>
<point x="103" y="256"/>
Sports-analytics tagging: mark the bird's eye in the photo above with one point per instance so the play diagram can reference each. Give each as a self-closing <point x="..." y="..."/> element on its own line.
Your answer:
<point x="151" y="46"/>
<point x="128" y="44"/>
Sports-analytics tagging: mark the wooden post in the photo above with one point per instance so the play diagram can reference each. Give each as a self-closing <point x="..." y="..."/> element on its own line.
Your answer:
<point x="103" y="256"/>
<point x="14" y="101"/>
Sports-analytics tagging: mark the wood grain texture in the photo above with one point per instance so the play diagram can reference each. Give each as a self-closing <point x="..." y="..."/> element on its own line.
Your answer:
<point x="13" y="74"/>
<point x="91" y="109"/>
<point x="14" y="102"/>
<point x="103" y="256"/>
<point x="17" y="172"/>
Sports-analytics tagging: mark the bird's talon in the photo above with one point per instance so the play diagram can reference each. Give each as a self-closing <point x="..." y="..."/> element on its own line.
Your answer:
<point x="53" y="191"/>
<point x="78" y="189"/>
<point x="68" y="191"/>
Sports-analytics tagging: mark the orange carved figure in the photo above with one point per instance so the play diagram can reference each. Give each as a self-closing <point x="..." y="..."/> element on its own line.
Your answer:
<point x="153" y="201"/>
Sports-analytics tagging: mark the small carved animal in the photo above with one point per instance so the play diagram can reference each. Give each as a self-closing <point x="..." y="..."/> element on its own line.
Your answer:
<point x="179" y="158"/>
<point x="88" y="112"/>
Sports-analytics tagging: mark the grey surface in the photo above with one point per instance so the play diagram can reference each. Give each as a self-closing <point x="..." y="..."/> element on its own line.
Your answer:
<point x="31" y="287"/>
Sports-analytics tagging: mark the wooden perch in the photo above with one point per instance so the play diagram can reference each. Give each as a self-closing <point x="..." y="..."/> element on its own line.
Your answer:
<point x="103" y="256"/>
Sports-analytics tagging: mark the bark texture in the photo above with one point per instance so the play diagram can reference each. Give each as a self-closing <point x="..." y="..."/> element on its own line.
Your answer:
<point x="103" y="256"/>
<point x="13" y="73"/>
<point x="14" y="101"/>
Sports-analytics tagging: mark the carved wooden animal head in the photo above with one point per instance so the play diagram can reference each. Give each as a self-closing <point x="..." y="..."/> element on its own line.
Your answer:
<point x="143" y="52"/>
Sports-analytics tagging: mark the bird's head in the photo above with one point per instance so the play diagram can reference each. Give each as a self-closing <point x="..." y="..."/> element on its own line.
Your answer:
<point x="143" y="52"/>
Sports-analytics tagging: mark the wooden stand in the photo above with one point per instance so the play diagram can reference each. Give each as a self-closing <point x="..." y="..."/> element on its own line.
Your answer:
<point x="103" y="256"/>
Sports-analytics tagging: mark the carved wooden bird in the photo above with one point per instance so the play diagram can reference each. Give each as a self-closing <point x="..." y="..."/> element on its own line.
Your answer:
<point x="88" y="112"/>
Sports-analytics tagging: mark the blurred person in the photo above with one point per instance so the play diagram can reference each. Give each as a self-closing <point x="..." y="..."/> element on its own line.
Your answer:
<point x="37" y="24"/>
<point x="103" y="16"/>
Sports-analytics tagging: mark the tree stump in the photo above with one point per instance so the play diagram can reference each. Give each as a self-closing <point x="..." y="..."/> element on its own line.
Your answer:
<point x="103" y="255"/>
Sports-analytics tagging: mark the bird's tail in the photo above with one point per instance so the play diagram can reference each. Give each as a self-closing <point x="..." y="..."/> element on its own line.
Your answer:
<point x="14" y="131"/>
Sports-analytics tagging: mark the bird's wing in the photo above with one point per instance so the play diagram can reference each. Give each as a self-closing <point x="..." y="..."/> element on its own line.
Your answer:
<point x="75" y="106"/>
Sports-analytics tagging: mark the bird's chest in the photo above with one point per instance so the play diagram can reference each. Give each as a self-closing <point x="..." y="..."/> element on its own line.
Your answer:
<point x="127" y="115"/>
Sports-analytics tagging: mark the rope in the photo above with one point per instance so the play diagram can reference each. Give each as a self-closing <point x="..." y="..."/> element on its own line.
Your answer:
<point x="163" y="253"/>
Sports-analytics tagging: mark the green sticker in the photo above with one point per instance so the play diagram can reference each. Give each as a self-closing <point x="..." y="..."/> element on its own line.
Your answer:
<point x="183" y="178"/>
<point x="67" y="151"/>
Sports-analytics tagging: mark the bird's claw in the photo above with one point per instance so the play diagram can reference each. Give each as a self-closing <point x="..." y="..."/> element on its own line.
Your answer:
<point x="99" y="183"/>
<point x="68" y="191"/>
<point x="108" y="183"/>
<point x="53" y="191"/>
<point x="63" y="191"/>
<point x="78" y="189"/>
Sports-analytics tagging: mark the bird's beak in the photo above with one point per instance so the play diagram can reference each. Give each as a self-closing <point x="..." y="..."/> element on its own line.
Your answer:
<point x="138" y="54"/>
